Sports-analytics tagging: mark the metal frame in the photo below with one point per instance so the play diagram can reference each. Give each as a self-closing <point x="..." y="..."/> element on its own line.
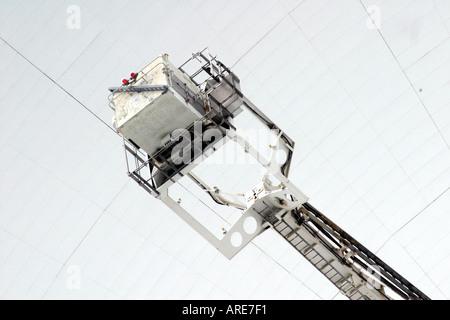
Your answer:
<point x="351" y="267"/>
<point x="141" y="167"/>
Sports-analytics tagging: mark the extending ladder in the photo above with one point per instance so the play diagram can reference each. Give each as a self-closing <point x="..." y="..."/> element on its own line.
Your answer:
<point x="349" y="266"/>
<point x="326" y="265"/>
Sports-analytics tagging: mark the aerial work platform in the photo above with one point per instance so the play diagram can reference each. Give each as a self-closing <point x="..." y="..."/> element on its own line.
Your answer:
<point x="172" y="119"/>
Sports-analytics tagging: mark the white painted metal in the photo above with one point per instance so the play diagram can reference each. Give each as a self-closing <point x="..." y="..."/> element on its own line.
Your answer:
<point x="166" y="111"/>
<point x="280" y="205"/>
<point x="353" y="282"/>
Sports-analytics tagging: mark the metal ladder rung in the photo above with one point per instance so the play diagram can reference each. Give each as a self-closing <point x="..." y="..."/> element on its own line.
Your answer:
<point x="352" y="296"/>
<point x="317" y="260"/>
<point x="352" y="291"/>
<point x="335" y="282"/>
<point x="276" y="224"/>
<point x="325" y="265"/>
<point x="293" y="241"/>
<point x="331" y="276"/>
<point x="300" y="249"/>
<point x="309" y="249"/>
<point x="285" y="232"/>
<point x="348" y="286"/>
<point x="311" y="254"/>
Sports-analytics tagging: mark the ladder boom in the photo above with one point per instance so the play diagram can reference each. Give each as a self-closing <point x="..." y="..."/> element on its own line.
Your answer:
<point x="171" y="120"/>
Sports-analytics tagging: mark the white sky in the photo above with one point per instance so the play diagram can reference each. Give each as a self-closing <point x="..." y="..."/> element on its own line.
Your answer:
<point x="369" y="110"/>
